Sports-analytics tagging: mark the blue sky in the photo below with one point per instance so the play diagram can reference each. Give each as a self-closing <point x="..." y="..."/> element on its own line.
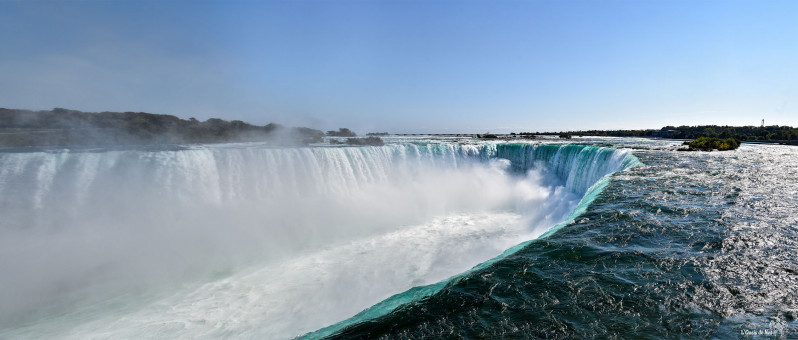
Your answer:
<point x="409" y="66"/>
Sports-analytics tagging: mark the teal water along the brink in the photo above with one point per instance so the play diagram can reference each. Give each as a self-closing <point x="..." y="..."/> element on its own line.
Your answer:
<point x="424" y="237"/>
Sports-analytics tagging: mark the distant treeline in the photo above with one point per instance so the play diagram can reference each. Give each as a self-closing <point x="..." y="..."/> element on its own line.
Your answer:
<point x="371" y="140"/>
<point x="743" y="133"/>
<point x="60" y="127"/>
<point x="342" y="132"/>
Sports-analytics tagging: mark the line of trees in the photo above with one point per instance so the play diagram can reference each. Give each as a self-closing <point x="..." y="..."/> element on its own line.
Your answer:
<point x="69" y="127"/>
<point x="711" y="143"/>
<point x="342" y="132"/>
<point x="743" y="133"/>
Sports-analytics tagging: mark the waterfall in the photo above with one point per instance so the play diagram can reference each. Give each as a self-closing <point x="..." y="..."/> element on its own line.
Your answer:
<point x="80" y="228"/>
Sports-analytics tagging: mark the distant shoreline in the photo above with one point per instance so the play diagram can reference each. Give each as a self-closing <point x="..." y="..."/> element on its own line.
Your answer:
<point x="62" y="127"/>
<point x="781" y="135"/>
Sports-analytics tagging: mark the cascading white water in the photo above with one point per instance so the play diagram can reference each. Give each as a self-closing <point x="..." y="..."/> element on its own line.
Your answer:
<point x="254" y="241"/>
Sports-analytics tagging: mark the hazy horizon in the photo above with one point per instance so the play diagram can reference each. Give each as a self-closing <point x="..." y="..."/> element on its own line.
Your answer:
<point x="409" y="67"/>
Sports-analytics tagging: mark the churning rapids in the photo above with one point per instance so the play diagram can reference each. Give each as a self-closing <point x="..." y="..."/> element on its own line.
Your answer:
<point x="418" y="238"/>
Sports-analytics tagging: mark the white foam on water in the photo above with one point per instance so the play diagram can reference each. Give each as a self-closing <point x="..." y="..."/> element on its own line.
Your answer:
<point x="312" y="290"/>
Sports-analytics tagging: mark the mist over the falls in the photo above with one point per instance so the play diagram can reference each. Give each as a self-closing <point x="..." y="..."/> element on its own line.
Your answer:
<point x="253" y="240"/>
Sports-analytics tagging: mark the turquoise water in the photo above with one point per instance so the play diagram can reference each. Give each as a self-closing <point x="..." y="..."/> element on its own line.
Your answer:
<point x="583" y="169"/>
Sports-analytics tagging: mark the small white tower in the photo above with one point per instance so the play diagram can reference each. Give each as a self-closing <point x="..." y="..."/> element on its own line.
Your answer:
<point x="763" y="123"/>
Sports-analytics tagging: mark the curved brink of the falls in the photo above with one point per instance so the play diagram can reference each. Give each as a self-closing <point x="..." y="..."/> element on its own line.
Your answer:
<point x="584" y="169"/>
